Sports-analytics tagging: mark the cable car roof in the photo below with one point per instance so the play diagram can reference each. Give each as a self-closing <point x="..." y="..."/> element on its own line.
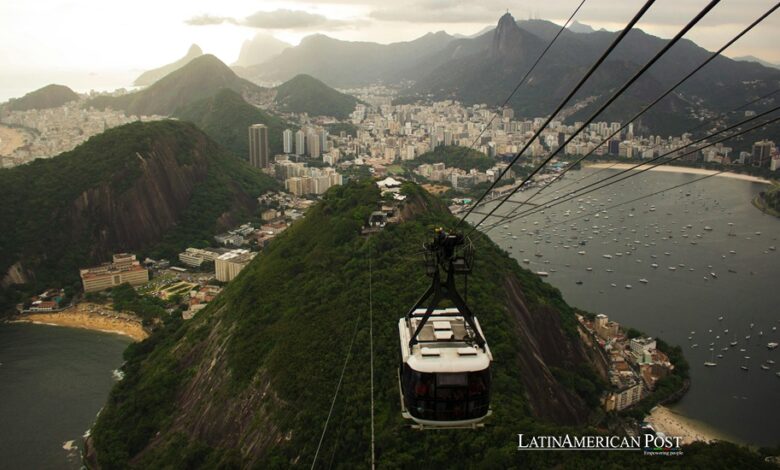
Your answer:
<point x="443" y="345"/>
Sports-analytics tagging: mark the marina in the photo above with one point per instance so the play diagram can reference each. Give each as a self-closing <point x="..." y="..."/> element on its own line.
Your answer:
<point x="715" y="298"/>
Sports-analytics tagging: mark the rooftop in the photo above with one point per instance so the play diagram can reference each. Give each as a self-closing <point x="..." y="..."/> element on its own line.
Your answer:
<point x="446" y="343"/>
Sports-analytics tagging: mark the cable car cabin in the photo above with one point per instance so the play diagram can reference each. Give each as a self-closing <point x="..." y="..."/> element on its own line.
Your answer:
<point x="444" y="375"/>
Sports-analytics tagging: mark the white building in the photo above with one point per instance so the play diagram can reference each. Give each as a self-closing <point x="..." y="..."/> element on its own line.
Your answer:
<point x="642" y="345"/>
<point x="287" y="141"/>
<point x="228" y="265"/>
<point x="195" y="256"/>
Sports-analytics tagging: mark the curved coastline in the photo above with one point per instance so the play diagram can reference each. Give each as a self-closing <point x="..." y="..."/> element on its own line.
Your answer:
<point x="90" y="316"/>
<point x="679" y="169"/>
<point x="672" y="423"/>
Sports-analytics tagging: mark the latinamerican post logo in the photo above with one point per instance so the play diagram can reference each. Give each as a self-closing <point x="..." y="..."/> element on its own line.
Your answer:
<point x="649" y="444"/>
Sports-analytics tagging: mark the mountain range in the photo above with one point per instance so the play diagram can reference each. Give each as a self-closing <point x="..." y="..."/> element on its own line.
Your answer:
<point x="157" y="187"/>
<point x="577" y="27"/>
<point x="259" y="49"/>
<point x="345" y="64"/>
<point x="206" y="76"/>
<point x="200" y="78"/>
<point x="512" y="47"/>
<point x="485" y="69"/>
<point x="751" y="58"/>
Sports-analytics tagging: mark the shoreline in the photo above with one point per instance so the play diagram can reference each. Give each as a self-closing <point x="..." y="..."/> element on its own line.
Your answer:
<point x="672" y="423"/>
<point x="680" y="169"/>
<point x="88" y="316"/>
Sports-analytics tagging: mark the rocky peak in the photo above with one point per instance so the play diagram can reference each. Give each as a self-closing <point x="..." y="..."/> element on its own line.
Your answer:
<point x="194" y="51"/>
<point x="506" y="37"/>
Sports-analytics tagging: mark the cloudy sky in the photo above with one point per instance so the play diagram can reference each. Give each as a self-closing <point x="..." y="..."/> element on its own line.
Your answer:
<point x="43" y="40"/>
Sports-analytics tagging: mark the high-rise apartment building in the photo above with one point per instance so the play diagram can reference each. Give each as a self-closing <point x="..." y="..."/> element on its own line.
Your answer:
<point x="313" y="145"/>
<point x="287" y="141"/>
<point x="300" y="142"/>
<point x="762" y="153"/>
<point x="259" y="152"/>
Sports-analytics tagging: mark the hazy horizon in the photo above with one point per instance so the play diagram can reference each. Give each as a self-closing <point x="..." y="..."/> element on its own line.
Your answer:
<point x="97" y="48"/>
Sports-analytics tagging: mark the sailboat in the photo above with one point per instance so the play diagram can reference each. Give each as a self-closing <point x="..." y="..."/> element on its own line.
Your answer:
<point x="734" y="343"/>
<point x="711" y="362"/>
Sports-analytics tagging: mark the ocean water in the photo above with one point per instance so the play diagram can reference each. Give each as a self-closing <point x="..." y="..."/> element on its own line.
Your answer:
<point x="53" y="382"/>
<point x="680" y="303"/>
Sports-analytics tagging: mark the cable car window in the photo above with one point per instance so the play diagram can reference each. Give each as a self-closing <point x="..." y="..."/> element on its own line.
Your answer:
<point x="423" y="385"/>
<point x="451" y="380"/>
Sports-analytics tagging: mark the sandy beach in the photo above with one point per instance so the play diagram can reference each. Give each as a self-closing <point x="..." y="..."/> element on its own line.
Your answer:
<point x="672" y="424"/>
<point x="91" y="317"/>
<point x="681" y="169"/>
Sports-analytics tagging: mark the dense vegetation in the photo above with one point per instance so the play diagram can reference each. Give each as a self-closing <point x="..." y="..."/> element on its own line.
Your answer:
<point x="283" y="329"/>
<point x="306" y="94"/>
<point x="455" y="156"/>
<point x="43" y="228"/>
<point x="200" y="78"/>
<point x="50" y="96"/>
<point x="769" y="201"/>
<point x="147" y="308"/>
<point x="339" y="127"/>
<point x="225" y="117"/>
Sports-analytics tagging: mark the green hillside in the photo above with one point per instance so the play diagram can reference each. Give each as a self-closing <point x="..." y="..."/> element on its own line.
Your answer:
<point x="248" y="382"/>
<point x="154" y="187"/>
<point x="50" y="96"/>
<point x="306" y="94"/>
<point x="225" y="117"/>
<point x="201" y="78"/>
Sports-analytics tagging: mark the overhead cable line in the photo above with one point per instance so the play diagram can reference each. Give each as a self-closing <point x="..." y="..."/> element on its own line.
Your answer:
<point x="614" y="96"/>
<point x="615" y="42"/>
<point x="645" y="109"/>
<point x="336" y="393"/>
<point x="577" y="193"/>
<point x="371" y="349"/>
<point x="689" y="131"/>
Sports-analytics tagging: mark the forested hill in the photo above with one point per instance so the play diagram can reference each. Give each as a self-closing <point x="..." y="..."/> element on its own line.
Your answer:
<point x="225" y="117"/>
<point x="248" y="382"/>
<point x="455" y="156"/>
<point x="306" y="94"/>
<point x="200" y="78"/>
<point x="156" y="186"/>
<point x="50" y="96"/>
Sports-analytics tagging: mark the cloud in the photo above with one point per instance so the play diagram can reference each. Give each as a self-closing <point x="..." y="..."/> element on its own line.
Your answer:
<point x="402" y="14"/>
<point x="438" y="11"/>
<point x="277" y="19"/>
<point x="290" y="19"/>
<point x="207" y="20"/>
